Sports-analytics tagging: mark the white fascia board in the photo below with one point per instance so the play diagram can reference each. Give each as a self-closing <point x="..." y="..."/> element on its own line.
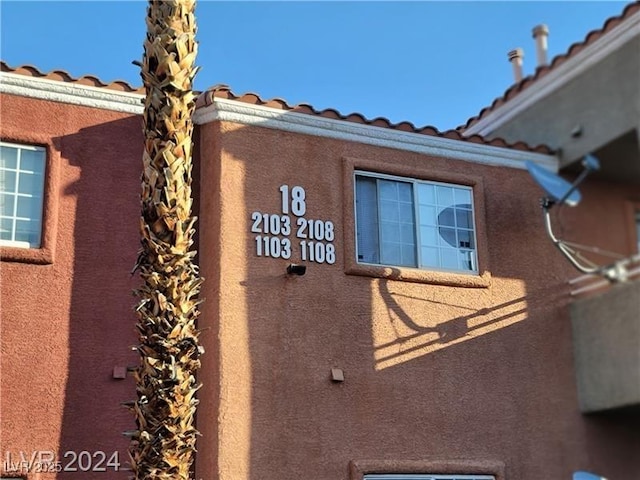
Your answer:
<point x="258" y="115"/>
<point x="248" y="114"/>
<point x="71" y="93"/>
<point x="559" y="76"/>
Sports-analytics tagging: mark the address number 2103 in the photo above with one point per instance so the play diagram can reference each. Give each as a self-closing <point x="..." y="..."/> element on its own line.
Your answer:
<point x="270" y="223"/>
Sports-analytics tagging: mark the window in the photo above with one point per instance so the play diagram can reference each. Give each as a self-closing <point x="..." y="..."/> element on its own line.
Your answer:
<point x="21" y="195"/>
<point x="409" y="476"/>
<point x="414" y="223"/>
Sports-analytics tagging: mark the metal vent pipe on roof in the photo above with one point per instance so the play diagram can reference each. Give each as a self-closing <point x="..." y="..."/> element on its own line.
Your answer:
<point x="540" y="34"/>
<point x="515" y="57"/>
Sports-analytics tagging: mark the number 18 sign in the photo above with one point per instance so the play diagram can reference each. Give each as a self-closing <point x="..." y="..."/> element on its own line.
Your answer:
<point x="274" y="230"/>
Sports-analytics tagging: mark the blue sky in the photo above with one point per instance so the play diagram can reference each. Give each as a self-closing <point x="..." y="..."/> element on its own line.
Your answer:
<point x="431" y="63"/>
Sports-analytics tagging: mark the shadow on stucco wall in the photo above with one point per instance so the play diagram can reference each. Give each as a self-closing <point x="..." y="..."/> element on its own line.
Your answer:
<point x="496" y="381"/>
<point x="502" y="393"/>
<point x="107" y="159"/>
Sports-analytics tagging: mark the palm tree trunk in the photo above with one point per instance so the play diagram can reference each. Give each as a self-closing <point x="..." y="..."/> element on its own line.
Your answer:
<point x="163" y="445"/>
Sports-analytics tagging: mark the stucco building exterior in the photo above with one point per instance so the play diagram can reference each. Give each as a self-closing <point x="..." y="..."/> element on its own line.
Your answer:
<point x="379" y="300"/>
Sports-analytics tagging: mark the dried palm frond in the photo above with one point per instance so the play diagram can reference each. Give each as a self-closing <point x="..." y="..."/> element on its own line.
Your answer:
<point x="163" y="445"/>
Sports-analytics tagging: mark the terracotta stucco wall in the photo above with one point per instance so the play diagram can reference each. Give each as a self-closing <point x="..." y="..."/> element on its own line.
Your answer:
<point x="67" y="322"/>
<point x="480" y="370"/>
<point x="475" y="370"/>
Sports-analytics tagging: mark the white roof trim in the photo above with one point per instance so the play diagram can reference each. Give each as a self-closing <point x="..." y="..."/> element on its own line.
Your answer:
<point x="72" y="93"/>
<point x="258" y="115"/>
<point x="559" y="76"/>
<point x="248" y="114"/>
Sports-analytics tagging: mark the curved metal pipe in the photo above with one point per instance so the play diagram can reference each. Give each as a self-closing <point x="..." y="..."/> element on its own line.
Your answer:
<point x="546" y="206"/>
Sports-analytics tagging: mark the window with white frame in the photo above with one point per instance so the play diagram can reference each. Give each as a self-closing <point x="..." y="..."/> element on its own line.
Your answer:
<point x="414" y="223"/>
<point x="413" y="476"/>
<point x="21" y="194"/>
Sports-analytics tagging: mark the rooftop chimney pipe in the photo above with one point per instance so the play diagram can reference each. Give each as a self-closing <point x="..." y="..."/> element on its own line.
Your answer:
<point x="515" y="57"/>
<point x="541" y="33"/>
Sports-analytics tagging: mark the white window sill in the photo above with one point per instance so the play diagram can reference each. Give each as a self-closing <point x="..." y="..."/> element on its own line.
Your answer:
<point x="17" y="244"/>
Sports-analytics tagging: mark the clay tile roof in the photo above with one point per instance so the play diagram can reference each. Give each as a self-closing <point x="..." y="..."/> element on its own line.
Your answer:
<point x="223" y="91"/>
<point x="62" y="76"/>
<point x="540" y="72"/>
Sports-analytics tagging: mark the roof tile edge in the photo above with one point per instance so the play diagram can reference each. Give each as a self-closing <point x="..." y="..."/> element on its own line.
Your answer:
<point x="223" y="91"/>
<point x="541" y="71"/>
<point x="207" y="97"/>
<point x="63" y="76"/>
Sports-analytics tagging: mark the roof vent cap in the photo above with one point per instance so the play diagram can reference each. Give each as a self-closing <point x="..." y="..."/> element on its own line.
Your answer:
<point x="541" y="33"/>
<point x="515" y="57"/>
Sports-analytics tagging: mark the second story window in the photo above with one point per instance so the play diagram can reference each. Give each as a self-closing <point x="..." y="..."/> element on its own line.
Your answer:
<point x="21" y="194"/>
<point x="414" y="223"/>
